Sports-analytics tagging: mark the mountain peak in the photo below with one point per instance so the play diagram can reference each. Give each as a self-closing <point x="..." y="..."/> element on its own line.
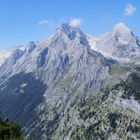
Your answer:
<point x="66" y="28"/>
<point x="73" y="33"/>
<point x="122" y="28"/>
<point x="119" y="44"/>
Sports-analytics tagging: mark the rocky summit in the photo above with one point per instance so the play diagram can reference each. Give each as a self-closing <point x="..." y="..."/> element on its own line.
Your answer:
<point x="73" y="86"/>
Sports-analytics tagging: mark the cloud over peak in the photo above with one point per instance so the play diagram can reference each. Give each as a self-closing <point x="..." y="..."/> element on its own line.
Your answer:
<point x="74" y="22"/>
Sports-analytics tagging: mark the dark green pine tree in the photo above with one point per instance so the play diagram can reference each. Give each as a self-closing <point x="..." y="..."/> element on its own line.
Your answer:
<point x="10" y="130"/>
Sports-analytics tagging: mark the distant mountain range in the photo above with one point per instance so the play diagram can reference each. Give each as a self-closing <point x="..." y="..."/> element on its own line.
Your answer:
<point x="74" y="86"/>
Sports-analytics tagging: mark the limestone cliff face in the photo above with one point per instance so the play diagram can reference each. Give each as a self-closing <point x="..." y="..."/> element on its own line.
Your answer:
<point x="72" y="86"/>
<point x="53" y="73"/>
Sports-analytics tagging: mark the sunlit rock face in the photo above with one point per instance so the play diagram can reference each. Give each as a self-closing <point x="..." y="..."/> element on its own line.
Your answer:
<point x="120" y="43"/>
<point x="43" y="75"/>
<point x="74" y="86"/>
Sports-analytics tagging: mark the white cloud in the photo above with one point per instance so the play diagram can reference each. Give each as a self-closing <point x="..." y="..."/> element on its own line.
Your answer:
<point x="43" y="22"/>
<point x="75" y="22"/>
<point x="129" y="9"/>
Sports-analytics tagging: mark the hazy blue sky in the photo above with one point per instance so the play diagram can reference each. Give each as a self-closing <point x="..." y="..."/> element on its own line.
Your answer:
<point x="25" y="20"/>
